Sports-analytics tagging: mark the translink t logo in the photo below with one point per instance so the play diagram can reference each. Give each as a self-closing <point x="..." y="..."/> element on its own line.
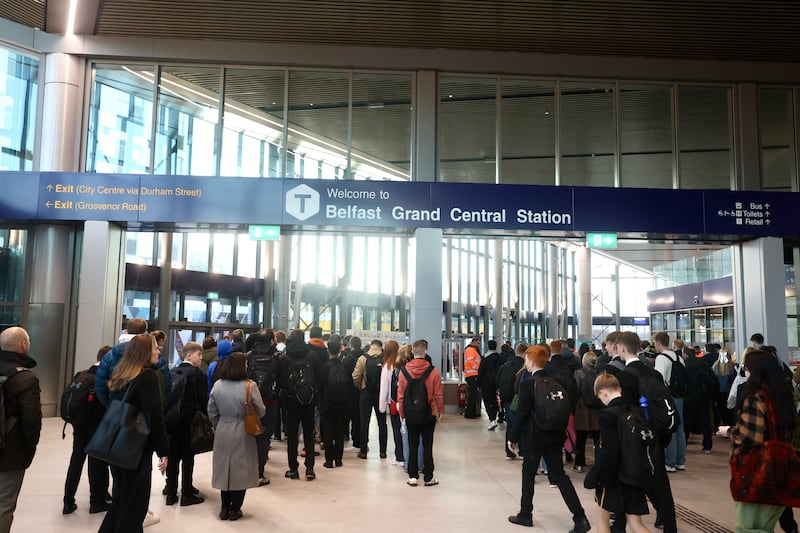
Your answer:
<point x="302" y="202"/>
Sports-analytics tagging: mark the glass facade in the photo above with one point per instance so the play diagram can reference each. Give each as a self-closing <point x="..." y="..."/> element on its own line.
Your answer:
<point x="19" y="90"/>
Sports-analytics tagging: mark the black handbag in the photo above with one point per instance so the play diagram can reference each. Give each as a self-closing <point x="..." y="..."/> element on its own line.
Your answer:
<point x="122" y="435"/>
<point x="202" y="433"/>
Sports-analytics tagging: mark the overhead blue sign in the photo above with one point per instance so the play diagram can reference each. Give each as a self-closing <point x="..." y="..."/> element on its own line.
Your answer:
<point x="19" y="196"/>
<point x="751" y="213"/>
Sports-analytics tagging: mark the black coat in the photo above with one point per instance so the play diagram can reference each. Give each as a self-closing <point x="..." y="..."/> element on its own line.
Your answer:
<point x="608" y="454"/>
<point x="23" y="402"/>
<point x="525" y="431"/>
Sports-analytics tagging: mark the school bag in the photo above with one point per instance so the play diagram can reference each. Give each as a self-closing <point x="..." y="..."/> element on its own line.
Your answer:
<point x="561" y="369"/>
<point x="661" y="413"/>
<point x="551" y="403"/>
<point x="587" y="389"/>
<point x="416" y="407"/>
<point x="6" y="422"/>
<point x="78" y="401"/>
<point x="302" y="382"/>
<point x="372" y="370"/>
<point x="177" y="409"/>
<point x="261" y="368"/>
<point x="506" y="379"/>
<point x="339" y="382"/>
<point x="641" y="450"/>
<point x="678" y="378"/>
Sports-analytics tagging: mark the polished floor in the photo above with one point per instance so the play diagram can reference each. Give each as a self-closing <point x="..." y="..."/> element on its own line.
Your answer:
<point x="478" y="489"/>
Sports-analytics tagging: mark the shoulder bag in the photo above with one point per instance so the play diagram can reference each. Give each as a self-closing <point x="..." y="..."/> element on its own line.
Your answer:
<point x="767" y="474"/>
<point x="202" y="433"/>
<point x="252" y="422"/>
<point x="122" y="435"/>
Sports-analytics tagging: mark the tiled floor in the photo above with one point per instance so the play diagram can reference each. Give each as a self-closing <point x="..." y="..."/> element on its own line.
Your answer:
<point x="478" y="489"/>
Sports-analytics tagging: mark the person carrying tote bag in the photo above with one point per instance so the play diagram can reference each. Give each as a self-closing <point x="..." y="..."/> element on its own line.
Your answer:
<point x="235" y="456"/>
<point x="134" y="380"/>
<point x="765" y="471"/>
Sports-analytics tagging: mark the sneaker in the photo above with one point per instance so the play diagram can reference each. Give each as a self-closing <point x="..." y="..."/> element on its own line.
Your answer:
<point x="553" y="486"/>
<point x="338" y="463"/>
<point x="328" y="464"/>
<point x="578" y="469"/>
<point x="544" y="472"/>
<point x="706" y="451"/>
<point x="264" y="480"/>
<point x="670" y="468"/>
<point x="433" y="481"/>
<point x="581" y="525"/>
<point x="521" y="520"/>
<point x="680" y="467"/>
<point x="412" y="482"/>
<point x="150" y="519"/>
<point x="492" y="425"/>
<point x="510" y="457"/>
<point x="310" y="475"/>
<point x="69" y="508"/>
<point x="235" y="515"/>
<point x="292" y="474"/>
<point x="172" y="499"/>
<point x="99" y="508"/>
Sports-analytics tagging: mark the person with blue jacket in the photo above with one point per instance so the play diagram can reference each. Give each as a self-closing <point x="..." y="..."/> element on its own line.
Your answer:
<point x="224" y="349"/>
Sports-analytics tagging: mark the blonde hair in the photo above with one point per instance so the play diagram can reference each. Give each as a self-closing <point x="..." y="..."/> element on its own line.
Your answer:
<point x="404" y="355"/>
<point x="137" y="356"/>
<point x="589" y="358"/>
<point x="606" y="381"/>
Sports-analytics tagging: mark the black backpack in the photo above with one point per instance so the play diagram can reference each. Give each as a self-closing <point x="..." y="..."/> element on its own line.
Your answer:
<point x="339" y="383"/>
<point x="6" y="422"/>
<point x="641" y="449"/>
<point x="678" y="378"/>
<point x="302" y="381"/>
<point x="662" y="413"/>
<point x="262" y="368"/>
<point x="562" y="369"/>
<point x="507" y="380"/>
<point x="551" y="403"/>
<point x="78" y="401"/>
<point x="587" y="389"/>
<point x="372" y="371"/>
<point x="178" y="407"/>
<point x="416" y="407"/>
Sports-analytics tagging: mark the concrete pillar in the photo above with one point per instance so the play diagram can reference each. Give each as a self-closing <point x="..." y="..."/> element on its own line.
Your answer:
<point x="280" y="320"/>
<point x="426" y="291"/>
<point x="499" y="284"/>
<point x="758" y="294"/>
<point x="584" y="257"/>
<point x="552" y="287"/>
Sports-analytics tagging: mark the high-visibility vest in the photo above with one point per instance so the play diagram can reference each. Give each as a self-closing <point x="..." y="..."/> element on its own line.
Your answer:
<point x="472" y="360"/>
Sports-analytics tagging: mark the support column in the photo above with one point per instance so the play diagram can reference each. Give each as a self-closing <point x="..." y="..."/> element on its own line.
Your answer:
<point x="758" y="294"/>
<point x="584" y="256"/>
<point x="426" y="291"/>
<point x="498" y="293"/>
<point x="552" y="287"/>
<point x="165" y="289"/>
<point x="748" y="149"/>
<point x="280" y="320"/>
<point x="269" y="282"/>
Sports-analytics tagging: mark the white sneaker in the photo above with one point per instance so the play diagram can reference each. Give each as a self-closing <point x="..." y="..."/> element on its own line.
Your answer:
<point x="432" y="482"/>
<point x="412" y="482"/>
<point x="492" y="425"/>
<point x="680" y="467"/>
<point x="670" y="468"/>
<point x="150" y="519"/>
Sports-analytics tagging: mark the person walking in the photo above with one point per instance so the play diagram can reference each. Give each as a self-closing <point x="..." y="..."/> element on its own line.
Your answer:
<point x="235" y="455"/>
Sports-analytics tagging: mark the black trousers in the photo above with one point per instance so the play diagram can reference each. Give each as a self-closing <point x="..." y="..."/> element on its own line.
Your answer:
<point x="490" y="402"/>
<point x="425" y="431"/>
<point x="333" y="422"/>
<point x="129" y="497"/>
<point x="471" y="409"/>
<point x="270" y="422"/>
<point x="296" y="415"/>
<point x="696" y="419"/>
<point x="556" y="475"/>
<point x="232" y="500"/>
<point x="180" y="458"/>
<point x="661" y="495"/>
<point x="354" y="417"/>
<point x="580" y="446"/>
<point x="369" y="403"/>
<point x="97" y="471"/>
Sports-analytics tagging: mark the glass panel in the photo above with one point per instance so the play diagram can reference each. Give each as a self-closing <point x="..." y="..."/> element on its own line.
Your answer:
<point x="527" y="132"/>
<point x="327" y="261"/>
<point x="19" y="88"/>
<point x="467" y="129"/>
<point x="646" y="136"/>
<point x="221" y="310"/>
<point x="317" y="142"/>
<point x="139" y="248"/>
<point x="373" y="273"/>
<point x="587" y="134"/>
<point x="13" y="244"/>
<point x="197" y="245"/>
<point x="177" y="250"/>
<point x="308" y="258"/>
<point x="357" y="277"/>
<point x="776" y="133"/>
<point x="704" y="137"/>
<point x="195" y="308"/>
<point x="137" y="304"/>
<point x="382" y="119"/>
<point x="120" y="119"/>
<point x="253" y="123"/>
<point x="223" y="253"/>
<point x="247" y="256"/>
<point x="188" y="111"/>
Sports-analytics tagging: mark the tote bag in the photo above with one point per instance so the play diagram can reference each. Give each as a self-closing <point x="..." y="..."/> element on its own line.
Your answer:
<point x="122" y="435"/>
<point x="252" y="422"/>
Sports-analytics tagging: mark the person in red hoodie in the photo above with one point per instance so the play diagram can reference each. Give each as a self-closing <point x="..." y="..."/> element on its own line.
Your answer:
<point x="419" y="410"/>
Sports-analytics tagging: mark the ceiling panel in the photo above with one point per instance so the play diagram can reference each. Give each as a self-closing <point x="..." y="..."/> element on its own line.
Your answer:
<point x="28" y="12"/>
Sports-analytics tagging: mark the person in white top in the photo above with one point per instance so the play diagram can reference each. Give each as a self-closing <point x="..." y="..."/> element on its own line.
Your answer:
<point x="675" y="452"/>
<point x="387" y="397"/>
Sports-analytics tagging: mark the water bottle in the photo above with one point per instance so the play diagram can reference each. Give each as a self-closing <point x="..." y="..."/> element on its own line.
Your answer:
<point x="644" y="406"/>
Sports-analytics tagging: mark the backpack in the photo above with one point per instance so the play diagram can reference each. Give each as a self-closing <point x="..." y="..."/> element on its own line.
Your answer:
<point x="662" y="413"/>
<point x="561" y="369"/>
<point x="302" y="382"/>
<point x="177" y="409"/>
<point x="416" y="407"/>
<point x="372" y="371"/>
<point x="641" y="450"/>
<point x="551" y="404"/>
<point x="261" y="369"/>
<point x="506" y="380"/>
<point x="678" y="378"/>
<point x="6" y="422"/>
<point x="339" y="382"/>
<point x="78" y="401"/>
<point x="587" y="389"/>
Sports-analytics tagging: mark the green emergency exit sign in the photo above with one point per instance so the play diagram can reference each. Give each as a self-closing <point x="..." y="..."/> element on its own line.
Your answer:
<point x="601" y="240"/>
<point x="265" y="233"/>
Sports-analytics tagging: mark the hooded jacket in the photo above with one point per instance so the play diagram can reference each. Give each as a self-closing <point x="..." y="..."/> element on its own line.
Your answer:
<point x="224" y="349"/>
<point x="296" y="350"/>
<point x="23" y="403"/>
<point x="110" y="360"/>
<point x="416" y="367"/>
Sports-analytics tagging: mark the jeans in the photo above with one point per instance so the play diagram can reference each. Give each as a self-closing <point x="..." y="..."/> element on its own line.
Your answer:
<point x="509" y="423"/>
<point x="398" y="439"/>
<point x="420" y="457"/>
<point x="675" y="452"/>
